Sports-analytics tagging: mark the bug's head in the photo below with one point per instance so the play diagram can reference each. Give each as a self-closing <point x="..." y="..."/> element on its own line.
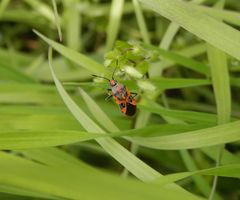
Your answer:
<point x="112" y="82"/>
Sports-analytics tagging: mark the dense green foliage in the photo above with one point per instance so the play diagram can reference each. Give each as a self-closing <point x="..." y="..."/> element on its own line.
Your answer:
<point x="60" y="138"/>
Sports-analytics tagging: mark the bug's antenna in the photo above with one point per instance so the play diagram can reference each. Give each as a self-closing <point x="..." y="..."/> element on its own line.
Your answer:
<point x="115" y="69"/>
<point x="100" y="77"/>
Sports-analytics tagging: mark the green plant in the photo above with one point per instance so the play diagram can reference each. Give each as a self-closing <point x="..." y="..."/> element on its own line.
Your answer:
<point x="59" y="131"/>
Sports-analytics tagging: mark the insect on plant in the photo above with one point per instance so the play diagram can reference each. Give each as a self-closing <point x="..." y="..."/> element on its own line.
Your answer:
<point x="121" y="95"/>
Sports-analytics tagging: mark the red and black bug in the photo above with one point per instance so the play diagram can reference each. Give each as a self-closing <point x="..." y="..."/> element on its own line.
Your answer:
<point x="122" y="96"/>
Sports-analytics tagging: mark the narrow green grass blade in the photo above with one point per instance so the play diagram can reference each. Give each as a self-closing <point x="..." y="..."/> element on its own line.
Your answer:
<point x="9" y="73"/>
<point x="197" y="22"/>
<point x="160" y="130"/>
<point x="194" y="139"/>
<point x="98" y="114"/>
<point x="22" y="194"/>
<point x="114" y="22"/>
<point x="52" y="156"/>
<point x="73" y="23"/>
<point x="221" y="83"/>
<point x="35" y="139"/>
<point x="57" y="20"/>
<point x="222" y="93"/>
<point x="141" y="22"/>
<point x="179" y="59"/>
<point x="65" y="183"/>
<point x="227" y="157"/>
<point x="175" y="83"/>
<point x="74" y="56"/>
<point x="189" y="52"/>
<point x="169" y="35"/>
<point x="230" y="17"/>
<point x="201" y="183"/>
<point x="188" y="116"/>
<point x="225" y="171"/>
<point x="41" y="8"/>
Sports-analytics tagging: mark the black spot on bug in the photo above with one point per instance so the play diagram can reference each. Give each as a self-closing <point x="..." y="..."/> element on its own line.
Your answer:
<point x="131" y="109"/>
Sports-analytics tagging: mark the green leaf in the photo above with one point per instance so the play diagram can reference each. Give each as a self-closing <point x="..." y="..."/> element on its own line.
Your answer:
<point x="37" y="138"/>
<point x="200" y="24"/>
<point x="74" y="56"/>
<point x="65" y="182"/>
<point x="226" y="171"/>
<point x="188" y="116"/>
<point x="194" y="139"/>
<point x="179" y="59"/>
<point x="114" y="22"/>
<point x="175" y="83"/>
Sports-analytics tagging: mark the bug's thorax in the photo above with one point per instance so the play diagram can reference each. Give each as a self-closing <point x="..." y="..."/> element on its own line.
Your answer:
<point x="119" y="91"/>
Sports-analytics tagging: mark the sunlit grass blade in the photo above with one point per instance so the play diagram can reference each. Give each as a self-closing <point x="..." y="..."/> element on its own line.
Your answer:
<point x="57" y="19"/>
<point x="141" y="22"/>
<point x="188" y="116"/>
<point x="221" y="86"/>
<point x="41" y="8"/>
<point x="230" y="17"/>
<point x="227" y="156"/>
<point x="226" y="171"/>
<point x="175" y="83"/>
<point x="74" y="56"/>
<point x="98" y="114"/>
<point x="194" y="139"/>
<point x="114" y="22"/>
<point x="197" y="22"/>
<point x="53" y="156"/>
<point x="65" y="183"/>
<point x="179" y="59"/>
<point x="9" y="73"/>
<point x="201" y="183"/>
<point x="221" y="83"/>
<point x="40" y="138"/>
<point x="73" y="25"/>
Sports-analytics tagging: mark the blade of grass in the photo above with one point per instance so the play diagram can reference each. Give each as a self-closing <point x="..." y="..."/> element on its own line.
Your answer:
<point x="230" y="17"/>
<point x="221" y="87"/>
<point x="114" y="22"/>
<point x="65" y="183"/>
<point x="141" y="22"/>
<point x="74" y="56"/>
<point x="98" y="114"/>
<point x="226" y="171"/>
<point x="57" y="20"/>
<point x="41" y="8"/>
<point x="188" y="116"/>
<point x="197" y="22"/>
<point x="175" y="83"/>
<point x="193" y="139"/>
<point x="35" y="139"/>
<point x="179" y="59"/>
<point x="73" y="23"/>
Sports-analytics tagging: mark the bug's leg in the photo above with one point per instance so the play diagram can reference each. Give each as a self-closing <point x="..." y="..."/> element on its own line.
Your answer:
<point x="109" y="94"/>
<point x="133" y="94"/>
<point x="108" y="97"/>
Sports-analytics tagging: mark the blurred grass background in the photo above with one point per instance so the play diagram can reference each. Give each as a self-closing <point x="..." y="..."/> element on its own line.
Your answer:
<point x="194" y="91"/>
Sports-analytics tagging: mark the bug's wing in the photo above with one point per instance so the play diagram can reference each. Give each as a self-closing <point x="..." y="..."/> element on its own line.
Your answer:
<point x="131" y="109"/>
